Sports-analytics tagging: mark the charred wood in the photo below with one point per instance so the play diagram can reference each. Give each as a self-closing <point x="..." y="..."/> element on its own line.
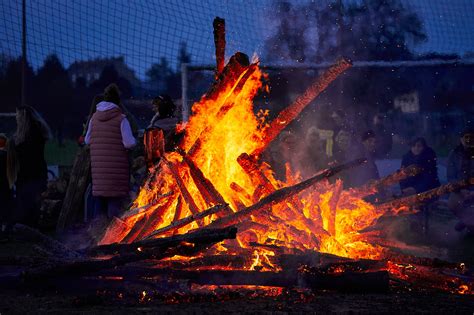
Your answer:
<point x="219" y="42"/>
<point x="405" y="203"/>
<point x="184" y="245"/>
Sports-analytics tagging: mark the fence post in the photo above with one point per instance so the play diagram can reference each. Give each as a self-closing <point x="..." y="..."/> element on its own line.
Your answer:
<point x="184" y="92"/>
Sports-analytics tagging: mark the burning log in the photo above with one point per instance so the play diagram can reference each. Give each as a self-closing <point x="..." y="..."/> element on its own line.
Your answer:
<point x="240" y="191"/>
<point x="203" y="235"/>
<point x="146" y="223"/>
<point x="210" y="193"/>
<point x="237" y="64"/>
<point x="336" y="193"/>
<point x="182" y="187"/>
<point x="251" y="168"/>
<point x="209" y="262"/>
<point x="144" y="209"/>
<point x="185" y="221"/>
<point x="74" y="199"/>
<point x="179" y="209"/>
<point x="115" y="228"/>
<point x="132" y="233"/>
<point x="153" y="219"/>
<point x="287" y="115"/>
<point x="282" y="194"/>
<point x="313" y="278"/>
<point x="219" y="42"/>
<point x="401" y="204"/>
<point x="121" y="226"/>
<point x="143" y="250"/>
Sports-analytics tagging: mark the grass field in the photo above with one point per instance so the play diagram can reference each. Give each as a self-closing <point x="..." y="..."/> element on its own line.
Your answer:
<point x="63" y="155"/>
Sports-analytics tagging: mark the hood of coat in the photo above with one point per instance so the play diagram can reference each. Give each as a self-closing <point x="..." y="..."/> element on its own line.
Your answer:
<point x="107" y="110"/>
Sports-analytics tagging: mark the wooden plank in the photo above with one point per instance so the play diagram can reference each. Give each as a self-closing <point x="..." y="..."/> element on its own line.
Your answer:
<point x="73" y="202"/>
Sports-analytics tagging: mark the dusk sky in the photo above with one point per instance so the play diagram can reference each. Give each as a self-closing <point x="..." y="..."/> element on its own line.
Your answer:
<point x="144" y="31"/>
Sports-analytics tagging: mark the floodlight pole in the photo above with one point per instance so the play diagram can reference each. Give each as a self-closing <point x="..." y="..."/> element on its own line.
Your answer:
<point x="23" y="57"/>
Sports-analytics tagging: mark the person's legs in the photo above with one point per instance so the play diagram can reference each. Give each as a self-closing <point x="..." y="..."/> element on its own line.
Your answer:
<point x="455" y="205"/>
<point x="29" y="202"/>
<point x="100" y="207"/>
<point x="114" y="207"/>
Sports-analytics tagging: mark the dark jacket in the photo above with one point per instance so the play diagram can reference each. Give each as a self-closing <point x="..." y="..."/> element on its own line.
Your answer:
<point x="3" y="173"/>
<point x="30" y="154"/>
<point x="428" y="178"/>
<point x="460" y="164"/>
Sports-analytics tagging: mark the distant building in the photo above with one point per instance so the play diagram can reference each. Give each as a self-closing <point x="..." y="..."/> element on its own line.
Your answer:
<point x="90" y="70"/>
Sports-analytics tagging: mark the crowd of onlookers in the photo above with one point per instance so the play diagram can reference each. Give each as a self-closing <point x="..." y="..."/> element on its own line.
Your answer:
<point x="320" y="149"/>
<point x="110" y="135"/>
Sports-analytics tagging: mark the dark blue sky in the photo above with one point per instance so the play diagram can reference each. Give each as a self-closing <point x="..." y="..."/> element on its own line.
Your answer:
<point x="145" y="30"/>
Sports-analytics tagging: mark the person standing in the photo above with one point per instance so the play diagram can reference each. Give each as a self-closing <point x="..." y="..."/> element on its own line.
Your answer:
<point x="29" y="172"/>
<point x="6" y="193"/>
<point x="313" y="156"/>
<point x="461" y="167"/>
<point x="161" y="135"/>
<point x="110" y="136"/>
<point x="423" y="156"/>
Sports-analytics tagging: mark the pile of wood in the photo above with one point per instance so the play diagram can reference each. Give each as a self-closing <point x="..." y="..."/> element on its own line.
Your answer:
<point x="147" y="264"/>
<point x="52" y="201"/>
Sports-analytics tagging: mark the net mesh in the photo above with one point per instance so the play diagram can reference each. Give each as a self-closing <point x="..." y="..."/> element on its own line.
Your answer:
<point x="144" y="31"/>
<point x="88" y="35"/>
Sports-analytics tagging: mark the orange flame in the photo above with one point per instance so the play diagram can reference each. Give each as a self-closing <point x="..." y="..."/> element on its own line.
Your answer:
<point x="314" y="220"/>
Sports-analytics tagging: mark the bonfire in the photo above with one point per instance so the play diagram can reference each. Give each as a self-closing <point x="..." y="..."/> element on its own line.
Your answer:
<point x="212" y="211"/>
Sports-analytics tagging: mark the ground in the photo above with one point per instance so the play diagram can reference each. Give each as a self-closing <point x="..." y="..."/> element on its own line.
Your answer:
<point x="323" y="303"/>
<point x="440" y="236"/>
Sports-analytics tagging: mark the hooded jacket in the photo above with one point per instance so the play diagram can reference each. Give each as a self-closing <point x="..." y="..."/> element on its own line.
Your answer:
<point x="109" y="135"/>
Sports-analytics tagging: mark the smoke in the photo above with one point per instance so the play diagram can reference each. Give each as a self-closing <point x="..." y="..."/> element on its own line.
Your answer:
<point x="430" y="234"/>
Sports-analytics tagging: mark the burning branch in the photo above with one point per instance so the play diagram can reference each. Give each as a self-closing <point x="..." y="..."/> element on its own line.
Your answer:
<point x="287" y="115"/>
<point x="182" y="187"/>
<point x="336" y="193"/>
<point x="401" y="204"/>
<point x="229" y="76"/>
<point x="282" y="195"/>
<point x="250" y="167"/>
<point x="210" y="194"/>
<point x="185" y="221"/>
